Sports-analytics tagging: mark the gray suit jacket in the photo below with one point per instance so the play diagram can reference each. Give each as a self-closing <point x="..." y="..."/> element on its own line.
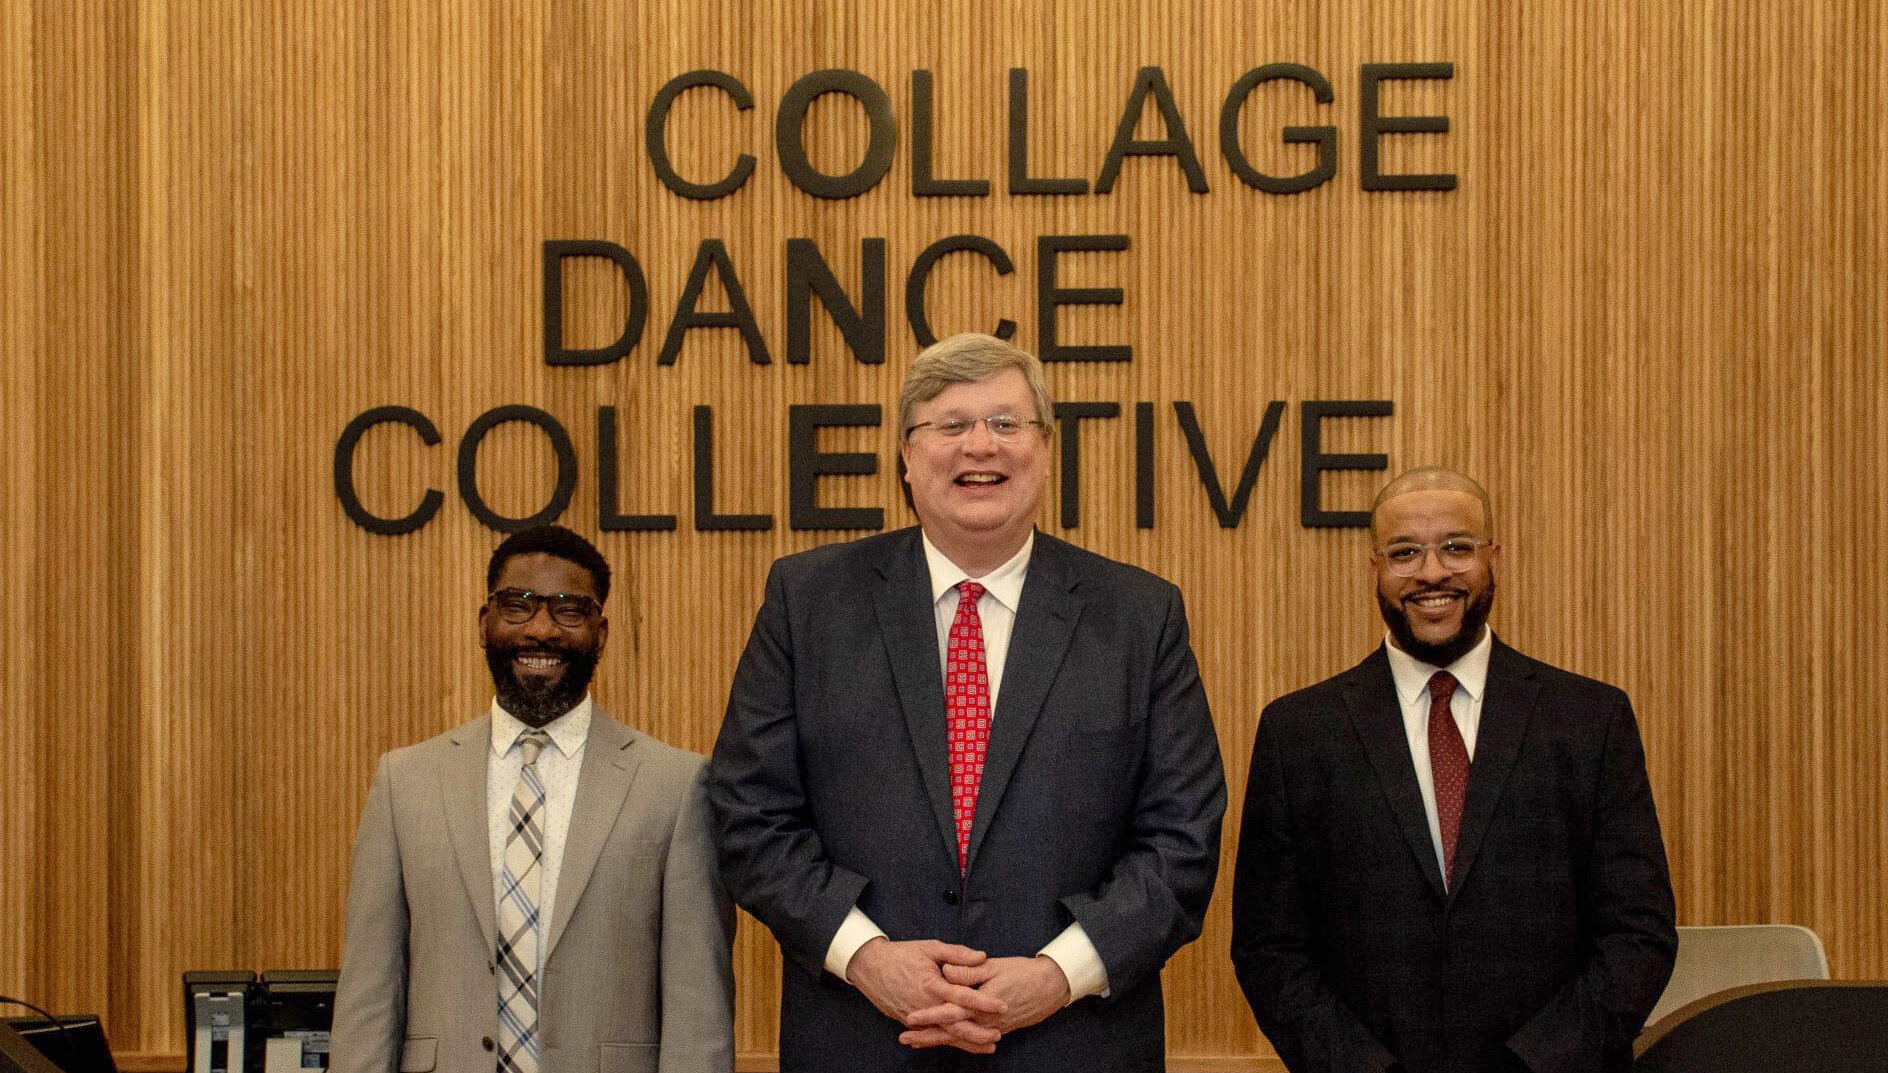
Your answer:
<point x="636" y="964"/>
<point x="1100" y="802"/>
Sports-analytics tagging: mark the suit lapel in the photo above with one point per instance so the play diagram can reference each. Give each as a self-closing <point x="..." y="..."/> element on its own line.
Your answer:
<point x="462" y="793"/>
<point x="908" y="625"/>
<point x="609" y="766"/>
<point x="1370" y="694"/>
<point x="1507" y="705"/>
<point x="1045" y="622"/>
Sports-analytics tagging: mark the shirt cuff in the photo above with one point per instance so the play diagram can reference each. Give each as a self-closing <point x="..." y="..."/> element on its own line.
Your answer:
<point x="856" y="931"/>
<point x="1075" y="954"/>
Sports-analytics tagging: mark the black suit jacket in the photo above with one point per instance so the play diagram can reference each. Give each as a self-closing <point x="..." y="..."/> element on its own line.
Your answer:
<point x="1550" y="946"/>
<point x="1100" y="801"/>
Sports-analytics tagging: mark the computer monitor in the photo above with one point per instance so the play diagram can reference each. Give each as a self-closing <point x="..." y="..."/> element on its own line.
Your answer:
<point x="76" y="1044"/>
<point x="216" y="1023"/>
<point x="297" y="1012"/>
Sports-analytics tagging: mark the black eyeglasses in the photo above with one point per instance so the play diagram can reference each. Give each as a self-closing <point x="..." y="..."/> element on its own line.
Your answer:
<point x="569" y="609"/>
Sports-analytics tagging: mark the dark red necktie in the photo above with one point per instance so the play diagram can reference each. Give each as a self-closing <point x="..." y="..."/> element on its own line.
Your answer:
<point x="966" y="712"/>
<point x="1448" y="766"/>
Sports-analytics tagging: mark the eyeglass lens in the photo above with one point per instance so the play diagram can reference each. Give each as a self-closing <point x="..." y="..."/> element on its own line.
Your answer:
<point x="518" y="606"/>
<point x="1456" y="556"/>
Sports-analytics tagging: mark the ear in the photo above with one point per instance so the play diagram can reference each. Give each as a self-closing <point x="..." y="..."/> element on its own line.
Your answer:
<point x="1494" y="558"/>
<point x="603" y="632"/>
<point x="904" y="460"/>
<point x="484" y="610"/>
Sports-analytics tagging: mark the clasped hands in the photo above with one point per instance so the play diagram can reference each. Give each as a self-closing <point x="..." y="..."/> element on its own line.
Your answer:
<point x="952" y="996"/>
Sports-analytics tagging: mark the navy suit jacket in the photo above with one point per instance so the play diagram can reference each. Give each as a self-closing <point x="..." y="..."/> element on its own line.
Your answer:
<point x="1551" y="943"/>
<point x="1100" y="801"/>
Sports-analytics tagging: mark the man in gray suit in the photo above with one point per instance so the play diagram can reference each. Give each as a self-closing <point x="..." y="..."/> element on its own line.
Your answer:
<point x="534" y="891"/>
<point x="968" y="776"/>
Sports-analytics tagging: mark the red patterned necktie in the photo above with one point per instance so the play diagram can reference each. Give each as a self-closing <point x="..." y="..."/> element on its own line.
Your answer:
<point x="966" y="712"/>
<point x="1448" y="766"/>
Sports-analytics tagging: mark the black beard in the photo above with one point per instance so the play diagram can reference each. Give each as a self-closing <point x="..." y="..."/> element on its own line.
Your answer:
<point x="537" y="707"/>
<point x="1443" y="653"/>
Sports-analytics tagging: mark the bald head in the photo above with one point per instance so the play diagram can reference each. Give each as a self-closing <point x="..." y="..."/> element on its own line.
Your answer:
<point x="1432" y="478"/>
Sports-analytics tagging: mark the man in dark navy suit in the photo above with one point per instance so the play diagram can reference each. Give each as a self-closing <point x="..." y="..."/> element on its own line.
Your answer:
<point x="1450" y="861"/>
<point x="968" y="776"/>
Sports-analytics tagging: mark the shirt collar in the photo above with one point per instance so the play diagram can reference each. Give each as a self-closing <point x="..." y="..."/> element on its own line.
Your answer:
<point x="1412" y="675"/>
<point x="568" y="731"/>
<point x="1005" y="583"/>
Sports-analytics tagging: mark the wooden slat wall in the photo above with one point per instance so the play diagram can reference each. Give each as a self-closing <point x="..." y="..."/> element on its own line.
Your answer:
<point x="1651" y="317"/>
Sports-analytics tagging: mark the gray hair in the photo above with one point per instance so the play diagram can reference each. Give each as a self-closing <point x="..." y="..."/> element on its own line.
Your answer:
<point x="966" y="359"/>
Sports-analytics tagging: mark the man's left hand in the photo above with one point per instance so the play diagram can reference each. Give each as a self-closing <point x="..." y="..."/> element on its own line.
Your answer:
<point x="1033" y="988"/>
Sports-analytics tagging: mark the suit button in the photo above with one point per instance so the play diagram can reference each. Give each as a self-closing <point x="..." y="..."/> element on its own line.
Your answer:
<point x="487" y="1043"/>
<point x="950" y="897"/>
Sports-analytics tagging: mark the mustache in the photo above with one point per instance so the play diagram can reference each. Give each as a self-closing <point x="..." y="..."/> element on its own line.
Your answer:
<point x="1436" y="591"/>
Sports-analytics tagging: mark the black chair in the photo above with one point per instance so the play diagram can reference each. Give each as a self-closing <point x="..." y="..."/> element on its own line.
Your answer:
<point x="1804" y="1026"/>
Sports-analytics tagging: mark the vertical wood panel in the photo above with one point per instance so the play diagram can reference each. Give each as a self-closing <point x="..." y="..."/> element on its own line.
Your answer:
<point x="1650" y="317"/>
<point x="70" y="395"/>
<point x="22" y="230"/>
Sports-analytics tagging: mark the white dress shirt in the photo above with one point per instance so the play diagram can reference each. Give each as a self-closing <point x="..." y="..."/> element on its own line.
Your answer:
<point x="1072" y="951"/>
<point x="1412" y="690"/>
<point x="559" y="764"/>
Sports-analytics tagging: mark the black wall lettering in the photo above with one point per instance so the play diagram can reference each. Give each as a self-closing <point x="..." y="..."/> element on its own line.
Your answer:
<point x="713" y="256"/>
<point x="806" y="464"/>
<point x="655" y="135"/>
<point x="1151" y="82"/>
<point x="809" y="276"/>
<point x="1325" y="138"/>
<point x="344" y="470"/>
<point x="1315" y="462"/>
<point x="1049" y="296"/>
<point x="1372" y="125"/>
<point x="1068" y="417"/>
<point x="610" y="517"/>
<point x="706" y="520"/>
<point x="1143" y="465"/>
<point x="1020" y="180"/>
<point x="921" y="275"/>
<point x="882" y="136"/>
<point x="1227" y="512"/>
<point x="922" y="182"/>
<point x="566" y="461"/>
<point x="556" y="252"/>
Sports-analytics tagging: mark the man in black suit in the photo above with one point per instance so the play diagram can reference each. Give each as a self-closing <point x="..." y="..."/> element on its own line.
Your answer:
<point x="968" y="776"/>
<point x="1450" y="861"/>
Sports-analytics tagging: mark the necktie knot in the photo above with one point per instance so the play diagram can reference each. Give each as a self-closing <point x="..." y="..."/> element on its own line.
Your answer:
<point x="533" y="743"/>
<point x="1441" y="687"/>
<point x="969" y="591"/>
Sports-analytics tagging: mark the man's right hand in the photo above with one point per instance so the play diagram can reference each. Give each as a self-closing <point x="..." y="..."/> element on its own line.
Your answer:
<point x="902" y="978"/>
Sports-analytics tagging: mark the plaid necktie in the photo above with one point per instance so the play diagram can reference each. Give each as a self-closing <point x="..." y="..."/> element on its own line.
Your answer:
<point x="518" y="923"/>
<point x="1448" y="764"/>
<point x="966" y="712"/>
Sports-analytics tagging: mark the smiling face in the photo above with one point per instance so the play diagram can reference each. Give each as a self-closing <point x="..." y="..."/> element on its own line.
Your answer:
<point x="540" y="668"/>
<point x="976" y="495"/>
<point x="1434" y="614"/>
